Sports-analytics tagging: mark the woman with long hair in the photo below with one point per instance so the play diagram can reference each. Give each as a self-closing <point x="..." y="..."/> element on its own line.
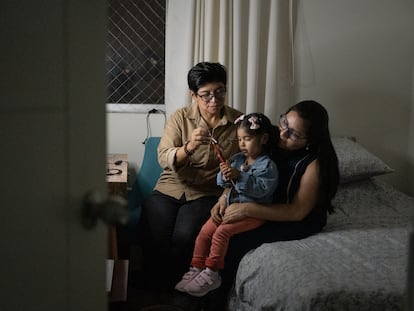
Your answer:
<point x="308" y="181"/>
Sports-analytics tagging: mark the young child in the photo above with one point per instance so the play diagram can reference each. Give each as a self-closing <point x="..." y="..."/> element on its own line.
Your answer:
<point x="251" y="176"/>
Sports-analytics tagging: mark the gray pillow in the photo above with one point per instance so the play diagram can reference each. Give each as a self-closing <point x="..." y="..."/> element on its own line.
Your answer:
<point x="356" y="162"/>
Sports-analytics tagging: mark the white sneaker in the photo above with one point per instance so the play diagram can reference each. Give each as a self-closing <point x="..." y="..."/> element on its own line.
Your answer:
<point x="187" y="278"/>
<point x="205" y="281"/>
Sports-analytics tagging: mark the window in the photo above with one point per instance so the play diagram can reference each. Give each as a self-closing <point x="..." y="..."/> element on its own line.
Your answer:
<point x="135" y="52"/>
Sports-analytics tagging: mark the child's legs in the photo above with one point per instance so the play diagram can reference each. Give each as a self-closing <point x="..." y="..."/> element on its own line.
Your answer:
<point x="221" y="238"/>
<point x="203" y="243"/>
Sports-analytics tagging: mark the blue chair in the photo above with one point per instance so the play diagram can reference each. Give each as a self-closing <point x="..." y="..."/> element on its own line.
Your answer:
<point x="146" y="178"/>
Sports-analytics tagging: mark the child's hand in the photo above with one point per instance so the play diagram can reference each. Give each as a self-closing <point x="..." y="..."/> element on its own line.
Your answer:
<point x="234" y="173"/>
<point x="229" y="172"/>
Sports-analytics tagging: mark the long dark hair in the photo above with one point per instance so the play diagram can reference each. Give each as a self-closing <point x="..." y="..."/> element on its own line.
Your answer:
<point x="319" y="142"/>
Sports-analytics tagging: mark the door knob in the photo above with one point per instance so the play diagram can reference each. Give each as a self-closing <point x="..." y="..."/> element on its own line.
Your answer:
<point x="112" y="210"/>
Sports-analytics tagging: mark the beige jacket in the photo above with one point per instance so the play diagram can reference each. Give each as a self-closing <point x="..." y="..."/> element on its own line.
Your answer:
<point x="198" y="177"/>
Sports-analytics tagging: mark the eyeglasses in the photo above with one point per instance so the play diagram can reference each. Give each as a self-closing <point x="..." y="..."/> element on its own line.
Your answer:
<point x="284" y="126"/>
<point x="219" y="94"/>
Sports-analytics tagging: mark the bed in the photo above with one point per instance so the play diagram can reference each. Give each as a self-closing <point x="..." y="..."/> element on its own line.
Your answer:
<point x="358" y="262"/>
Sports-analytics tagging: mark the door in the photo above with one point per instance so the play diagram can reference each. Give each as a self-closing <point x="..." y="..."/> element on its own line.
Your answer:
<point x="52" y="131"/>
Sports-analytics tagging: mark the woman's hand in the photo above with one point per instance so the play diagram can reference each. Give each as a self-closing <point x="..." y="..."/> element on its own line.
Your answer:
<point x="222" y="201"/>
<point x="234" y="212"/>
<point x="215" y="213"/>
<point x="199" y="137"/>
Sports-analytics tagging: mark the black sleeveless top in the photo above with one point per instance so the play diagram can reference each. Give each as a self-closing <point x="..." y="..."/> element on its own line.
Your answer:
<point x="292" y="165"/>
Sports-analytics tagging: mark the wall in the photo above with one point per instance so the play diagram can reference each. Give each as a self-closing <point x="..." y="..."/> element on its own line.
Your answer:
<point x="127" y="131"/>
<point x="356" y="58"/>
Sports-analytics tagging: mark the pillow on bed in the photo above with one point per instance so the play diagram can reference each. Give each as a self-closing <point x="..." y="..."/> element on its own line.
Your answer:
<point x="355" y="162"/>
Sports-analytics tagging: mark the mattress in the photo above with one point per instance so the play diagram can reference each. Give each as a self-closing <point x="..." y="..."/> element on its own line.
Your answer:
<point x="359" y="261"/>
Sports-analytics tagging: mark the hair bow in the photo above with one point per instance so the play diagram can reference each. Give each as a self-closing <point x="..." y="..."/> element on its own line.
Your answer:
<point x="239" y="118"/>
<point x="253" y="123"/>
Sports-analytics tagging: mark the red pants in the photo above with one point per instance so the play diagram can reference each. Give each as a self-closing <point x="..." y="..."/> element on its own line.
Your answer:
<point x="212" y="242"/>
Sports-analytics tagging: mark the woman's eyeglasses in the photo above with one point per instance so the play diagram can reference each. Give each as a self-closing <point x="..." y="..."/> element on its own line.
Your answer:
<point x="219" y="94"/>
<point x="284" y="126"/>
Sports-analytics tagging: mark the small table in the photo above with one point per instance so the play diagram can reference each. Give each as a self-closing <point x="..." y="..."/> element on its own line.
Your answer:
<point x="117" y="179"/>
<point x="117" y="270"/>
<point x="117" y="173"/>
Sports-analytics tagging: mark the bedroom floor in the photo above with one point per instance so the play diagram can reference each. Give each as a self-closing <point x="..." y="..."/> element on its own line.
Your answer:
<point x="139" y="299"/>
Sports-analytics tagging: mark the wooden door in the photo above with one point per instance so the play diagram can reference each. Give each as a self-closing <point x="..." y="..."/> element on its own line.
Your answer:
<point x="52" y="132"/>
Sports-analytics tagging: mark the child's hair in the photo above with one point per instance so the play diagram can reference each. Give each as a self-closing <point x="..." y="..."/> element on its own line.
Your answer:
<point x="257" y="124"/>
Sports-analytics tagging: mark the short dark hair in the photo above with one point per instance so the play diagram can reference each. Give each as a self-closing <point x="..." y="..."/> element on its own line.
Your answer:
<point x="206" y="72"/>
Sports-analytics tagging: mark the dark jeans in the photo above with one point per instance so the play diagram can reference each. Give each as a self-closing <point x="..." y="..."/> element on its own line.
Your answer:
<point x="170" y="227"/>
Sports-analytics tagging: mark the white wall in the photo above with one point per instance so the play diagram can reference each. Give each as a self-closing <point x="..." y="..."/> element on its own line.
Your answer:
<point x="127" y="131"/>
<point x="356" y="58"/>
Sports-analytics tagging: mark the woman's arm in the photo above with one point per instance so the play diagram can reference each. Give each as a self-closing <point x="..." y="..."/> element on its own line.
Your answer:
<point x="218" y="209"/>
<point x="303" y="202"/>
<point x="171" y="150"/>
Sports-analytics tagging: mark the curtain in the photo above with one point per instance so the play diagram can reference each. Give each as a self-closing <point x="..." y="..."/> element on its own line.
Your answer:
<point x="253" y="39"/>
